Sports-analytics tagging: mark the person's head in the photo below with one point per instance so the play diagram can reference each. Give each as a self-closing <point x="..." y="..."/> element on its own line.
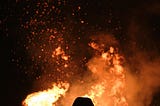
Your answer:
<point x="82" y="101"/>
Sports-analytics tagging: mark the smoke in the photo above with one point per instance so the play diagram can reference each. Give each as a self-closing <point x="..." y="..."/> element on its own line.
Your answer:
<point x="143" y="61"/>
<point x="141" y="86"/>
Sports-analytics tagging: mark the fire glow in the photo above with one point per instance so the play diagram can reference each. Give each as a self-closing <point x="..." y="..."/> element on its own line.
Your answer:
<point x="109" y="86"/>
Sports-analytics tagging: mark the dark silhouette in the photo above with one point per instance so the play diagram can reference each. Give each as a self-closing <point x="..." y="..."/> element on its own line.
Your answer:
<point x="82" y="101"/>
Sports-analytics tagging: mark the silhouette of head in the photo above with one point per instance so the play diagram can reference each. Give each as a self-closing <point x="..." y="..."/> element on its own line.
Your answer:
<point x="82" y="101"/>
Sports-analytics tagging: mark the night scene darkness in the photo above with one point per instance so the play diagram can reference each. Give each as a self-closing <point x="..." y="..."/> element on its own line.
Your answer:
<point x="53" y="51"/>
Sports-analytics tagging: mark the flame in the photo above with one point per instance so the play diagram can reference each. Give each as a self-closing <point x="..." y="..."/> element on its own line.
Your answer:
<point x="111" y="80"/>
<point x="109" y="89"/>
<point x="46" y="97"/>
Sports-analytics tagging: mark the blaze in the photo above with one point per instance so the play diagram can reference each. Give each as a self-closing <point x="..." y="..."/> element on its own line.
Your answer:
<point x="109" y="90"/>
<point x="47" y="97"/>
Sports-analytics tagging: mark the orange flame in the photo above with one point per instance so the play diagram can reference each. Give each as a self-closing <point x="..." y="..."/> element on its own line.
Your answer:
<point x="110" y="89"/>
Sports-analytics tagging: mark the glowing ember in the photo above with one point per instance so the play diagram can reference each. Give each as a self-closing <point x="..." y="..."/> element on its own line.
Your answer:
<point x="46" y="97"/>
<point x="60" y="52"/>
<point x="94" y="45"/>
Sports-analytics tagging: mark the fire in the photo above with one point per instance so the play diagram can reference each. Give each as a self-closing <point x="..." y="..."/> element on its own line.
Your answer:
<point x="46" y="97"/>
<point x="109" y="90"/>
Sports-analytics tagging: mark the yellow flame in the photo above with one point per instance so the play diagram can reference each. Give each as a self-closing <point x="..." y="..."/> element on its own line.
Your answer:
<point x="46" y="97"/>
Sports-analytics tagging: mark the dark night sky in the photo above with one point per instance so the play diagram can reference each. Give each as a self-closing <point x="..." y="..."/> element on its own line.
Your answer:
<point x="114" y="16"/>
